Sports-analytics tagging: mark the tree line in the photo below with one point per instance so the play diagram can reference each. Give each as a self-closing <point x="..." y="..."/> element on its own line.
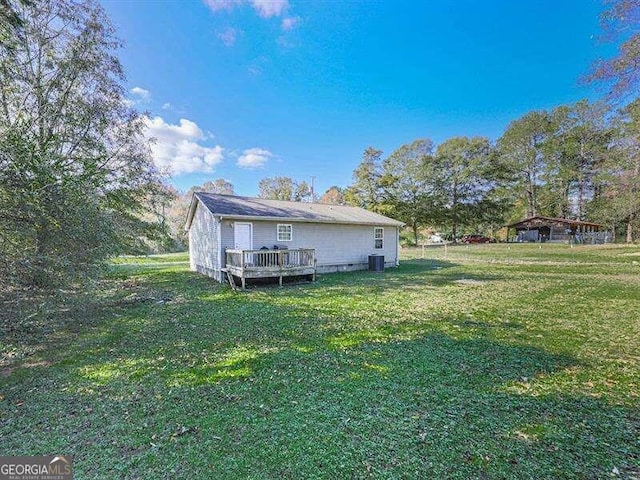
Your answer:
<point x="577" y="161"/>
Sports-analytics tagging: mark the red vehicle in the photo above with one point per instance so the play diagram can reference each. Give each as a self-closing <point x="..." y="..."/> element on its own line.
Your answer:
<point x="477" y="239"/>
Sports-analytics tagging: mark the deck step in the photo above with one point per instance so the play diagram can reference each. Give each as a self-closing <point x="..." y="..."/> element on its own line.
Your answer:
<point x="232" y="282"/>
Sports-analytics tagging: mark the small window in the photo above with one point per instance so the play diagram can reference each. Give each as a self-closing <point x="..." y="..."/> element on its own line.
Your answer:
<point x="378" y="236"/>
<point x="285" y="232"/>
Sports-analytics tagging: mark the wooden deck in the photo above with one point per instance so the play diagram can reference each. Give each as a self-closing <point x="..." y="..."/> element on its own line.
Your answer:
<point x="270" y="264"/>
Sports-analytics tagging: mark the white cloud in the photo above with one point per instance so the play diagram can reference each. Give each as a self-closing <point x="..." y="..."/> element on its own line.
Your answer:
<point x="167" y="106"/>
<point x="286" y="42"/>
<point x="269" y="8"/>
<point x="177" y="149"/>
<point x="264" y="8"/>
<point x="258" y="65"/>
<point x="141" y="93"/>
<point x="254" y="70"/>
<point x="228" y="36"/>
<point x="254" y="158"/>
<point x="217" y="5"/>
<point x="289" y="23"/>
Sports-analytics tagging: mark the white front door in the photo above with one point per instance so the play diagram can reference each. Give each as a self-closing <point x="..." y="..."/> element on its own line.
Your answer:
<point x="243" y="236"/>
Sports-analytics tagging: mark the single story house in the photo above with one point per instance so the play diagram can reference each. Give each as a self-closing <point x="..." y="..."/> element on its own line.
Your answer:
<point x="550" y="229"/>
<point x="255" y="237"/>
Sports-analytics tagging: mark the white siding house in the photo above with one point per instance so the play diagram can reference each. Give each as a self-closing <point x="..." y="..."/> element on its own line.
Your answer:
<point x="343" y="237"/>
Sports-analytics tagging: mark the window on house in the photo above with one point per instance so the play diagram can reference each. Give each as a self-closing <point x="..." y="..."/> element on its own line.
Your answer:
<point x="285" y="232"/>
<point x="378" y="236"/>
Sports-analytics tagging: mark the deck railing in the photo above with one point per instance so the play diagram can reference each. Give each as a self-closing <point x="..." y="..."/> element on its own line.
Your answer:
<point x="264" y="260"/>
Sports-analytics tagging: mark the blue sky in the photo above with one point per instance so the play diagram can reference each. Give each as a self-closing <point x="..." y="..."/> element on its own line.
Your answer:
<point x="244" y="89"/>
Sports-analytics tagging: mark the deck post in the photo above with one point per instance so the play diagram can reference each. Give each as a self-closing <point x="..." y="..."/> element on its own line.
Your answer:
<point x="280" y="280"/>
<point x="244" y="286"/>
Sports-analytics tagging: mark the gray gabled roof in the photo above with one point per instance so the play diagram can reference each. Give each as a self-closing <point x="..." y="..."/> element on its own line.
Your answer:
<point x="234" y="207"/>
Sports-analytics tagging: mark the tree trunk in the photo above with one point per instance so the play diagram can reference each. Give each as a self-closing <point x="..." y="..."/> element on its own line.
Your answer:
<point x="563" y="208"/>
<point x="581" y="181"/>
<point x="630" y="229"/>
<point x="414" y="227"/>
<point x="454" y="213"/>
<point x="531" y="196"/>
<point x="39" y="276"/>
<point x="580" y="200"/>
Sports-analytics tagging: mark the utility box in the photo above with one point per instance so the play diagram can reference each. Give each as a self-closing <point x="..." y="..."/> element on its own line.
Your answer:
<point x="376" y="263"/>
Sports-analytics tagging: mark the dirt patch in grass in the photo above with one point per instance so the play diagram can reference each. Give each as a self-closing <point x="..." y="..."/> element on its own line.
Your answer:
<point x="469" y="281"/>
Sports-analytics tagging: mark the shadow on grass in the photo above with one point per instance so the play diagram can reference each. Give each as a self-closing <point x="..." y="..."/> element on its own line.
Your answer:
<point x="409" y="273"/>
<point x="43" y="324"/>
<point x="138" y="297"/>
<point x="306" y="381"/>
<point x="430" y="406"/>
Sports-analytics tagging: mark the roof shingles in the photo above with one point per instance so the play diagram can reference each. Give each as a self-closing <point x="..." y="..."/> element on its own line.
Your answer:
<point x="230" y="206"/>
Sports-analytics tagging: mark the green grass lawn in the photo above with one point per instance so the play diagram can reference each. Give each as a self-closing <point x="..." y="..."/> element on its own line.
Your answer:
<point x="479" y="362"/>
